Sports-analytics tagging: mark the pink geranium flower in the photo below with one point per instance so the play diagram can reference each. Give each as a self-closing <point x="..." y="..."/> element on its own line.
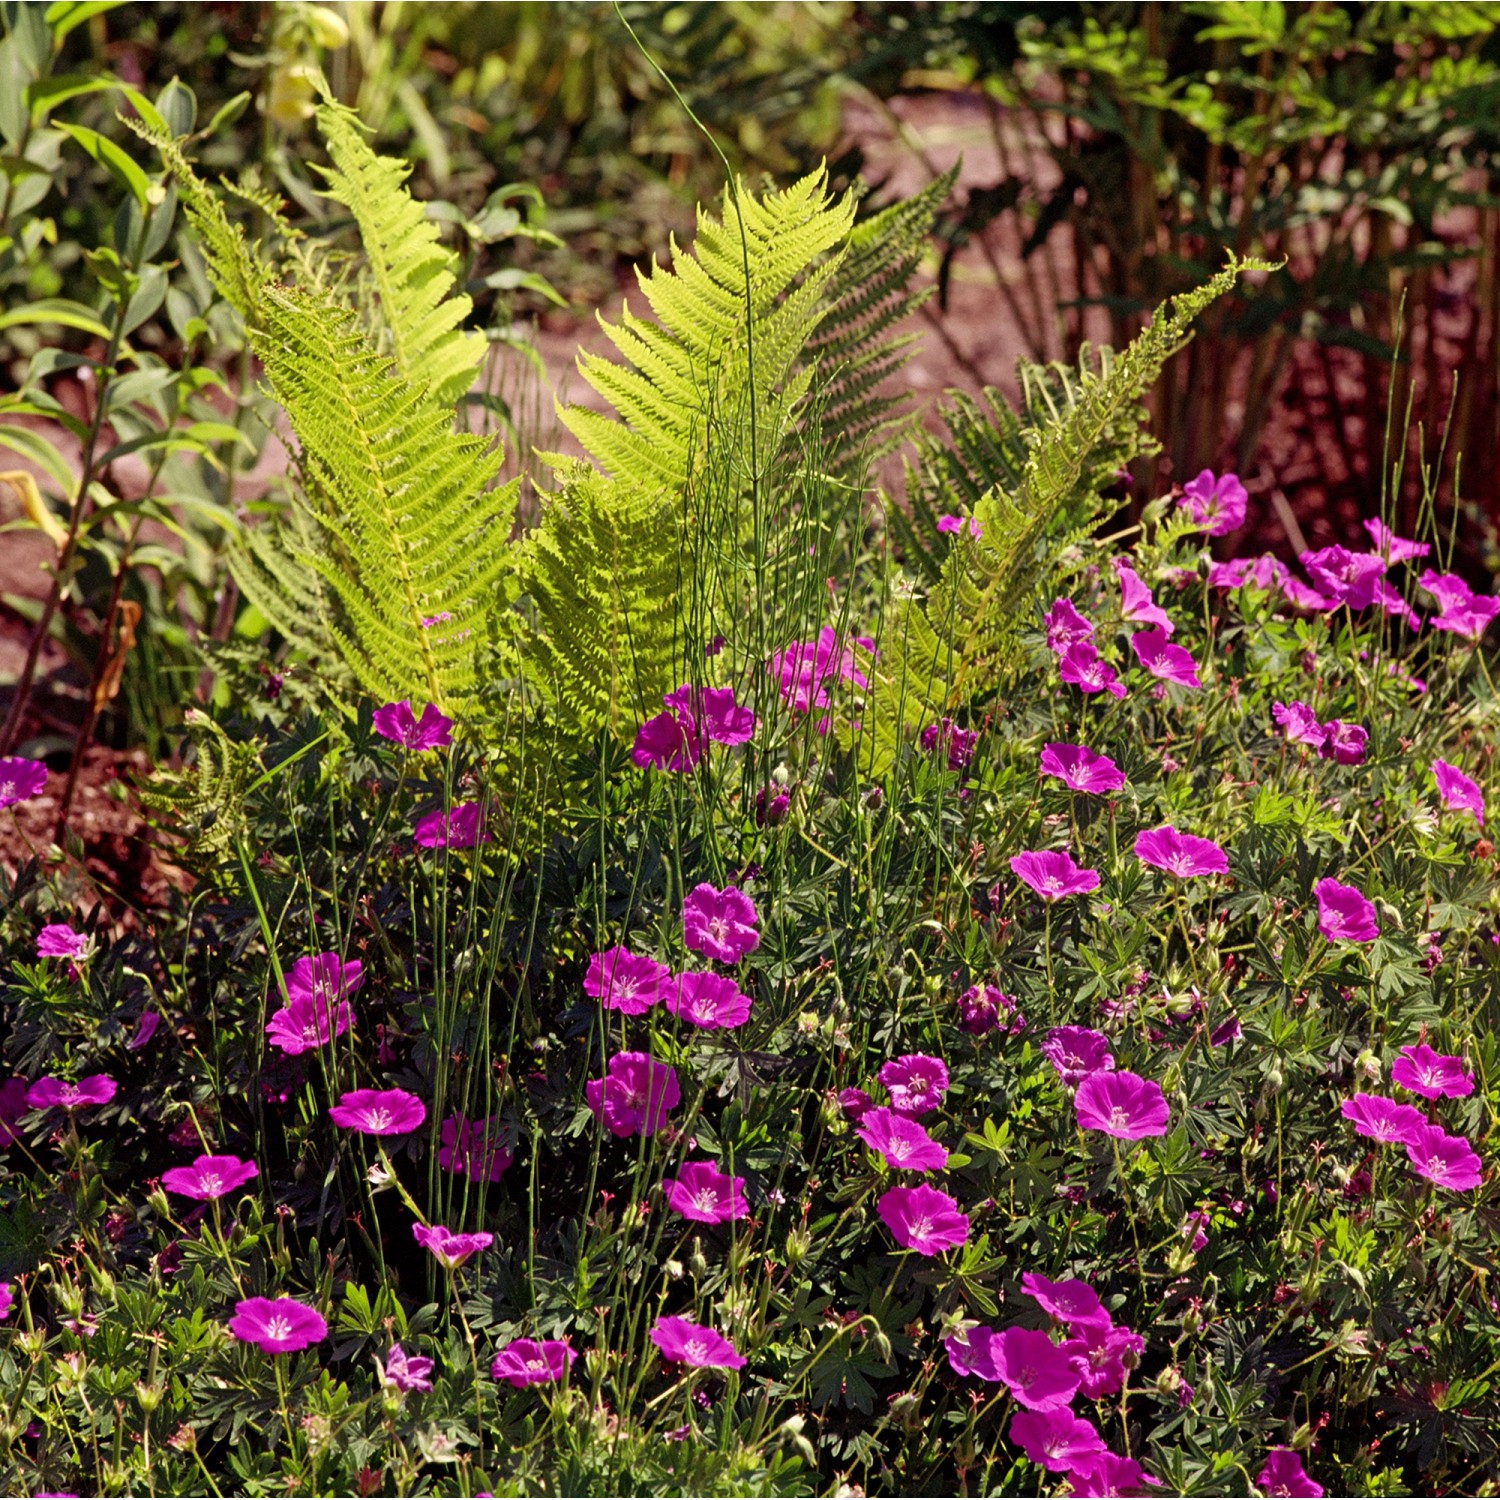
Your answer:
<point x="58" y="940"/>
<point x="1089" y="672"/>
<point x="524" y="1362"/>
<point x="87" y="1093"/>
<point x="7" y="1300"/>
<point x="701" y="1192"/>
<point x="627" y="982"/>
<point x="395" y="721"/>
<point x="915" y="1082"/>
<point x="1069" y="1301"/>
<point x="1136" y="604"/>
<point x="1450" y="591"/>
<point x="711" y="1001"/>
<point x="1393" y="602"/>
<point x="305" y="1025"/>
<point x="1066" y="627"/>
<point x="474" y="1147"/>
<point x="1109" y="1475"/>
<point x="722" y="924"/>
<point x="980" y="1008"/>
<point x="1077" y="1051"/>
<point x="1433" y="1075"/>
<point x="1036" y="1372"/>
<point x="1121" y="1104"/>
<point x="1216" y="502"/>
<point x="974" y="1351"/>
<point x="715" y="713"/>
<point x="1459" y="792"/>
<point x="805" y="669"/>
<point x="1304" y="596"/>
<point x="20" y="780"/>
<point x="1056" y="1439"/>
<point x="958" y="744"/>
<point x="685" y="1343"/>
<point x="1162" y="659"/>
<point x="1182" y="855"/>
<point x="1391" y="547"/>
<point x="461" y="827"/>
<point x="1464" y="613"/>
<point x="1448" y="1160"/>
<point x="668" y="741"/>
<point x="635" y="1095"/>
<point x="1343" y="576"/>
<point x="379" y="1111"/>
<point x="923" y="1219"/>
<point x="324" y="977"/>
<point x="1080" y="769"/>
<point x="901" y="1141"/>
<point x="277" y="1325"/>
<point x="855" y="1104"/>
<point x="1052" y="874"/>
<point x="1344" y="743"/>
<point x="1283" y="1474"/>
<point x="145" y="1029"/>
<point x="1344" y="914"/>
<point x="448" y="1245"/>
<point x="406" y="1372"/>
<point x="955" y="524"/>
<point x="1101" y="1354"/>
<point x="1381" y="1119"/>
<point x="1228" y="575"/>
<point x="1299" y="723"/>
<point x="209" y="1177"/>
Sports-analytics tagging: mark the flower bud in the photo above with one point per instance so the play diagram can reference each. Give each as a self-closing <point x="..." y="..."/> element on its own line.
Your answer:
<point x="1367" y="1067"/>
<point x="798" y="1246"/>
<point x="148" y="1395"/>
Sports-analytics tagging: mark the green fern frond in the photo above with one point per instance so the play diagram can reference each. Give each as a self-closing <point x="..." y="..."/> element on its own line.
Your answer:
<point x="411" y="271"/>
<point x="204" y="804"/>
<point x="601" y="568"/>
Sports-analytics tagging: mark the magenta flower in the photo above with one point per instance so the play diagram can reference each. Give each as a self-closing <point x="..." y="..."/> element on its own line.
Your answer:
<point x="1055" y="1439"/>
<point x="1464" y="613"/>
<point x="20" y="780"/>
<point x="700" y="1191"/>
<point x="718" y="716"/>
<point x="1459" y="793"/>
<point x="1381" y="1119"/>
<point x="1181" y="855"/>
<point x="1344" y="915"/>
<point x="209" y="1177"/>
<point x="1088" y="671"/>
<point x="901" y="1141"/>
<point x="1448" y="1160"/>
<point x="524" y="1362"/>
<point x="1066" y="627"/>
<point x="277" y="1325"/>
<point x="461" y="827"/>
<point x="923" y="1219"/>
<point x="669" y="742"/>
<point x="12" y="1106"/>
<point x="974" y="1351"/>
<point x="711" y="1001"/>
<point x="406" y="1372"/>
<point x="1122" y="1104"/>
<point x="1391" y="547"/>
<point x="1109" y="1475"/>
<point x="1036" y="1372"/>
<point x="304" y="1025"/>
<point x="1080" y="769"/>
<point x="627" y="982"/>
<point x="854" y="1103"/>
<point x="915" y="1082"/>
<point x="958" y="744"/>
<point x="1052" y="874"/>
<point x="145" y="1029"/>
<point x="1216" y="502"/>
<point x="1077" y="1051"/>
<point x="96" y="1089"/>
<point x="379" y="1111"/>
<point x="448" y="1245"/>
<point x="474" y="1147"/>
<point x="1344" y="743"/>
<point x="1433" y="1075"/>
<point x="1069" y="1301"/>
<point x="58" y="940"/>
<point x="721" y="924"/>
<point x="805" y="669"/>
<point x="1304" y="596"/>
<point x="396" y="722"/>
<point x="1136" y="604"/>
<point x="955" y="524"/>
<point x="685" y="1343"/>
<point x="1228" y="575"/>
<point x="635" y="1096"/>
<point x="1100" y="1355"/>
<point x="1162" y="659"/>
<point x="1343" y="576"/>
<point x="1300" y="723"/>
<point x="1450" y="591"/>
<point x="324" y="977"/>
<point x="1393" y="602"/>
<point x="1283" y="1474"/>
<point x="979" y="1009"/>
<point x="7" y="1300"/>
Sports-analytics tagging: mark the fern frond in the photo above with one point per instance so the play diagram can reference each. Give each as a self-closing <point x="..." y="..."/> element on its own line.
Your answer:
<point x="204" y="804"/>
<point x="268" y="564"/>
<point x="601" y="567"/>
<point x="411" y="271"/>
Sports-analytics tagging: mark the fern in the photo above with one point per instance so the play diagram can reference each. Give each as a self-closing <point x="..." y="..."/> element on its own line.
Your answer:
<point x="958" y="645"/>
<point x="411" y="271"/>
<point x="204" y="804"/>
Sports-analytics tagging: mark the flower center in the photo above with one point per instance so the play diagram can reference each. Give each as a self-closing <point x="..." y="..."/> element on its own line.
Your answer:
<point x="212" y="1184"/>
<point x="378" y="1119"/>
<point x="1119" y="1118"/>
<point x="1026" y="1375"/>
<point x="706" y="1200"/>
<point x="278" y="1329"/>
<point x="921" y="1228"/>
<point x="899" y="1149"/>
<point x="695" y="1350"/>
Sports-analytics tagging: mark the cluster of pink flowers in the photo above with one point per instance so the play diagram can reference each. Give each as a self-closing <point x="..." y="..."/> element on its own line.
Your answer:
<point x="694" y="717"/>
<point x="1449" y="1161"/>
<point x="954" y="743"/>
<point x="317" y="1008"/>
<point x="1335" y="740"/>
<point x="806" y="670"/>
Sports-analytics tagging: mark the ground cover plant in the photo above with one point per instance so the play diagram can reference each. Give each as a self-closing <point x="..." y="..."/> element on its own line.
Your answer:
<point x="744" y="983"/>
